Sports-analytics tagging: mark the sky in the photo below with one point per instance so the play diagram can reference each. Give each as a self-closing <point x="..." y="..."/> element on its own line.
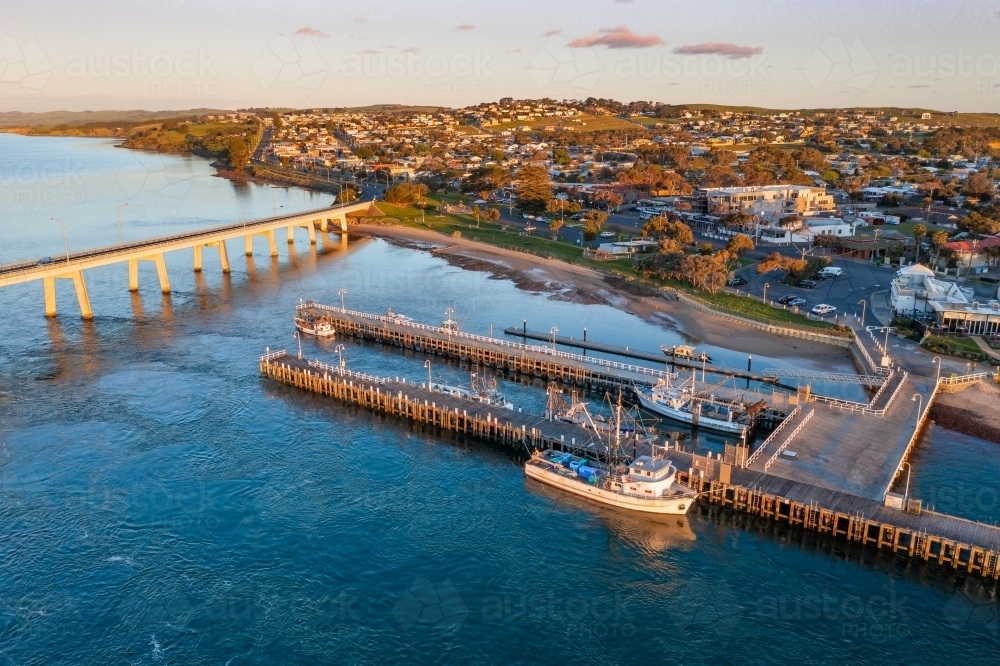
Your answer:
<point x="181" y="54"/>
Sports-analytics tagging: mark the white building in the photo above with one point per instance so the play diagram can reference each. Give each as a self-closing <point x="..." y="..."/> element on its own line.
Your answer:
<point x="757" y="199"/>
<point x="915" y="289"/>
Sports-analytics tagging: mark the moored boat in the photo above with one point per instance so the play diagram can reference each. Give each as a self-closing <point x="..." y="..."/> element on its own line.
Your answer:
<point x="316" y="325"/>
<point x="683" y="404"/>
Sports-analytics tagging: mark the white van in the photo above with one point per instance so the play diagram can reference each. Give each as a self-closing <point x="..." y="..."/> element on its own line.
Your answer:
<point x="831" y="272"/>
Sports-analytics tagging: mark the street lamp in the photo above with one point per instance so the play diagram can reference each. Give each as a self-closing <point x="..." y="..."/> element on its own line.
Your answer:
<point x="340" y="349"/>
<point x="65" y="241"/>
<point x="937" y="360"/>
<point x="118" y="214"/>
<point x="553" y="331"/>
<point x="906" y="493"/>
<point x="343" y="308"/>
<point x="766" y="285"/>
<point x="427" y="364"/>
<point x="299" y="339"/>
<point x="864" y="308"/>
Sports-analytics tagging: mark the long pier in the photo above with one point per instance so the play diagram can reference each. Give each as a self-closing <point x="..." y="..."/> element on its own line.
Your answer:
<point x="504" y="355"/>
<point x="945" y="540"/>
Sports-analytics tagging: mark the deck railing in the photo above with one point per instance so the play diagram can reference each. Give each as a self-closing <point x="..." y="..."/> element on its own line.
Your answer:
<point x="791" y="436"/>
<point x="772" y="436"/>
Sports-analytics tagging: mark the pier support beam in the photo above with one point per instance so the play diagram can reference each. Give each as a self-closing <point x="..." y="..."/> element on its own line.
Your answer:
<point x="223" y="256"/>
<point x="49" y="289"/>
<point x="272" y="244"/>
<point x="161" y="270"/>
<point x="290" y="235"/>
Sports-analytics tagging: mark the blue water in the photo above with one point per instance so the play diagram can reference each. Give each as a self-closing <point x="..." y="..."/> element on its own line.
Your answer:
<point x="161" y="504"/>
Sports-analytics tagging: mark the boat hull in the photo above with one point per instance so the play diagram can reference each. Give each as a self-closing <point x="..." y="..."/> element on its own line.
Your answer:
<point x="705" y="422"/>
<point x="673" y="505"/>
<point x="305" y="329"/>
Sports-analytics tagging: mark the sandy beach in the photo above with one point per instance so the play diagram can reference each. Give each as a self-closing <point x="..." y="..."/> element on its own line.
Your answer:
<point x="579" y="284"/>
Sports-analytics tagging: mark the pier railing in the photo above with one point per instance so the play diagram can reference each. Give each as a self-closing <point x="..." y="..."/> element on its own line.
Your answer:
<point x="520" y="346"/>
<point x="770" y="438"/>
<point x="341" y="371"/>
<point x="791" y="436"/>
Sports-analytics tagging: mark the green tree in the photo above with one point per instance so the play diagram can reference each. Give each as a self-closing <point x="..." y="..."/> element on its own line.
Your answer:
<point x="239" y="154"/>
<point x="739" y="244"/>
<point x="405" y="194"/>
<point x="919" y="233"/>
<point x="534" y="189"/>
<point x="364" y="152"/>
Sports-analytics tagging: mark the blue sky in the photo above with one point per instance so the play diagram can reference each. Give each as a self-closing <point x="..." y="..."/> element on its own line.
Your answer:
<point x="56" y="54"/>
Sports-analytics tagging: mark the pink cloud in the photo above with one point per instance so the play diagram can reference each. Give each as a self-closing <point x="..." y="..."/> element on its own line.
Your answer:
<point x="311" y="32"/>
<point x="616" y="38"/>
<point x="465" y="26"/>
<point x="551" y="33"/>
<point x="731" y="51"/>
<point x="370" y="51"/>
<point x="514" y="51"/>
<point x="411" y="49"/>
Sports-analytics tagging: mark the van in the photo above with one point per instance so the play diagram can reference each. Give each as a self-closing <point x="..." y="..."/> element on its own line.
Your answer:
<point x="831" y="272"/>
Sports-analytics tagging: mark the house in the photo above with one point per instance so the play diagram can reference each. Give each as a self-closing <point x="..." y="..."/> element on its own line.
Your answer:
<point x="915" y="288"/>
<point x="757" y="199"/>
<point x="975" y="318"/>
<point x="974" y="256"/>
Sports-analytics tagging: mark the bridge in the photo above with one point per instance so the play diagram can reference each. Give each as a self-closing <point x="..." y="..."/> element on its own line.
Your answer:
<point x="71" y="265"/>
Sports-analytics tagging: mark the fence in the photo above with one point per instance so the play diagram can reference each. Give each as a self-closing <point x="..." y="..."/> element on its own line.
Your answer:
<point x="791" y="436"/>
<point x="771" y="437"/>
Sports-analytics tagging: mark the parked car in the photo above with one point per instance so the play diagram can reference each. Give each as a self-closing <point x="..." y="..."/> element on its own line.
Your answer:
<point x="830" y="272"/>
<point x="528" y="217"/>
<point x="607" y="234"/>
<point x="784" y="299"/>
<point x="796" y="302"/>
<point x="823" y="309"/>
<point x="808" y="284"/>
<point x="541" y="219"/>
<point x="737" y="281"/>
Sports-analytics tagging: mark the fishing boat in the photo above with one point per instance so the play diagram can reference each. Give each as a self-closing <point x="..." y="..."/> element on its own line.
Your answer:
<point x="686" y="352"/>
<point x="313" y="324"/>
<point x="682" y="403"/>
<point x="449" y="325"/>
<point x="646" y="483"/>
<point x="578" y="413"/>
<point x="483" y="390"/>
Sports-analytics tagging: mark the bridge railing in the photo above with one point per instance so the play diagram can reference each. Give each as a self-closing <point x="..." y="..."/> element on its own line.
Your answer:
<point x="627" y="367"/>
<point x="344" y="372"/>
<point x="770" y="438"/>
<point x="127" y="248"/>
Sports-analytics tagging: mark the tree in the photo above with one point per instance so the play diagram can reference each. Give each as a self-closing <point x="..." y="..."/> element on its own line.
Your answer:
<point x="239" y="154"/>
<point x="405" y="194"/>
<point x="704" y="271"/>
<point x="739" y="244"/>
<point x="979" y="185"/>
<point x="737" y="219"/>
<point x="938" y="240"/>
<point x="555" y="225"/>
<point x="364" y="152"/>
<point x="277" y="121"/>
<point x="662" y="226"/>
<point x="919" y="233"/>
<point x="491" y="215"/>
<point x="978" y="224"/>
<point x="534" y="189"/>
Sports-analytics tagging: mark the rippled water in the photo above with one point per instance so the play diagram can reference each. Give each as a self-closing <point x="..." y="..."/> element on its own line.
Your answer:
<point x="160" y="503"/>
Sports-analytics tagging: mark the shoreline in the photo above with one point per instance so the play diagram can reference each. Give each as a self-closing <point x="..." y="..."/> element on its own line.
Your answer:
<point x="579" y="284"/>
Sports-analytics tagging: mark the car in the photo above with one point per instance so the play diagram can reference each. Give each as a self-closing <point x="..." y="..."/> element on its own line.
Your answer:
<point x="796" y="302"/>
<point x="807" y="284"/>
<point x="830" y="272"/>
<point x="607" y="234"/>
<point x="528" y="216"/>
<point x="823" y="309"/>
<point x="737" y="281"/>
<point x="784" y="299"/>
<point x="543" y="220"/>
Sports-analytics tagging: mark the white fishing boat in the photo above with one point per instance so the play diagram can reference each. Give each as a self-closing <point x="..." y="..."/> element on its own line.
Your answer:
<point x="649" y="483"/>
<point x="646" y="483"/>
<point x="316" y="325"/>
<point x="397" y="317"/>
<point x="683" y="404"/>
<point x="449" y="325"/>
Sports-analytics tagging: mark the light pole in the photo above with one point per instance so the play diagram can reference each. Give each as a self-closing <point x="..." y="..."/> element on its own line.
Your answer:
<point x="340" y="356"/>
<point x="298" y="338"/>
<point x="65" y="241"/>
<point x="766" y="285"/>
<point x="937" y="360"/>
<point x="343" y="308"/>
<point x="553" y="331"/>
<point x="906" y="493"/>
<point x="885" y="347"/>
<point x="118" y="214"/>
<point x="427" y="364"/>
<point x="864" y="308"/>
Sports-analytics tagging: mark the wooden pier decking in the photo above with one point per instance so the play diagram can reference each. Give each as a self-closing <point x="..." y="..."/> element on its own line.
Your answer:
<point x="946" y="540"/>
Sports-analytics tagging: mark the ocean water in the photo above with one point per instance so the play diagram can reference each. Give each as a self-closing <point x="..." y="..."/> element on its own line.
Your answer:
<point x="161" y="504"/>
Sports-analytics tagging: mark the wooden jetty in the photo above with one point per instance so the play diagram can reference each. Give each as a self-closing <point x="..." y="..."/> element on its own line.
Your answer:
<point x="503" y="355"/>
<point x="928" y="536"/>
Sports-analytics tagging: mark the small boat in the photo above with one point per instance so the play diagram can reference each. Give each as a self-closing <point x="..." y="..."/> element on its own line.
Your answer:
<point x="681" y="403"/>
<point x="686" y="352"/>
<point x="449" y="325"/>
<point x="317" y="325"/>
<point x="484" y="391"/>
<point x="397" y="318"/>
